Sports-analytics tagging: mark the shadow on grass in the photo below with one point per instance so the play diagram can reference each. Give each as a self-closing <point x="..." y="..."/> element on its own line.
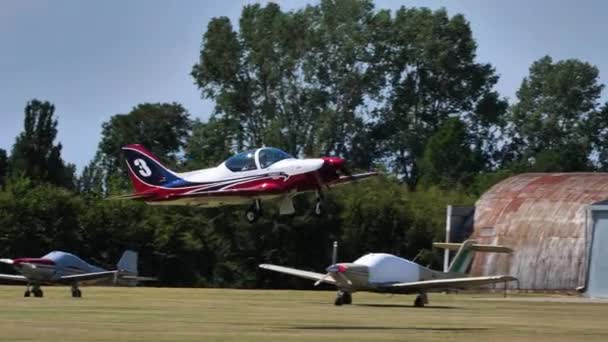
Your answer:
<point x="408" y="306"/>
<point x="363" y="327"/>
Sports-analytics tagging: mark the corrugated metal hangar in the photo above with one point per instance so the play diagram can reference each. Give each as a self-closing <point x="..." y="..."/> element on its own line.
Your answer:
<point x="557" y="225"/>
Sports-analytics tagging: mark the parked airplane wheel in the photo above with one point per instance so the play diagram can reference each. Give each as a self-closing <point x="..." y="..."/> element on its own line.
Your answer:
<point x="76" y="293"/>
<point x="26" y="294"/>
<point x="339" y="299"/>
<point x="38" y="293"/>
<point x="419" y="302"/>
<point x="347" y="298"/>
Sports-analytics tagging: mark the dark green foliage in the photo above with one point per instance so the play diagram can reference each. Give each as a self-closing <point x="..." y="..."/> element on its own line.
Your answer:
<point x="35" y="154"/>
<point x="3" y="166"/>
<point x="161" y="127"/>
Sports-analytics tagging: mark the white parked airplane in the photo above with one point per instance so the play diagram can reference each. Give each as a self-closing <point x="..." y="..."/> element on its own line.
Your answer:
<point x="386" y="273"/>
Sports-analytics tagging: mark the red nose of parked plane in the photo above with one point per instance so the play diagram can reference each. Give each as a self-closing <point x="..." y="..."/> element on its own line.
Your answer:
<point x="336" y="268"/>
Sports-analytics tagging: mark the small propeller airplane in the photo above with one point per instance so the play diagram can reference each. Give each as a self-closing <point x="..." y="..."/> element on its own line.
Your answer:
<point x="248" y="177"/>
<point x="386" y="273"/>
<point x="64" y="268"/>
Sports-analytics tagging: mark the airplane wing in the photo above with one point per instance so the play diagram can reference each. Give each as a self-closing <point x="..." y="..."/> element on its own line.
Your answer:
<point x="440" y="284"/>
<point x="298" y="273"/>
<point x="13" y="277"/>
<point x="352" y="178"/>
<point x="88" y="276"/>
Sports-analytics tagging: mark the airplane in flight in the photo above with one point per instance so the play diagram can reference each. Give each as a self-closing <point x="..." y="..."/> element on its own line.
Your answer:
<point x="386" y="273"/>
<point x="65" y="268"/>
<point x="248" y="177"/>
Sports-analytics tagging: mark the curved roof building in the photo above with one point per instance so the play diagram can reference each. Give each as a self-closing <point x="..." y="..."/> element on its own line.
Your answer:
<point x="546" y="218"/>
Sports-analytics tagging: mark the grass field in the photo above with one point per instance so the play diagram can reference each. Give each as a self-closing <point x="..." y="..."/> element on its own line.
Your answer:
<point x="151" y="314"/>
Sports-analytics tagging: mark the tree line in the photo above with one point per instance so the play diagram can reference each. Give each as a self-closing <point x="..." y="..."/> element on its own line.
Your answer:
<point x="401" y="92"/>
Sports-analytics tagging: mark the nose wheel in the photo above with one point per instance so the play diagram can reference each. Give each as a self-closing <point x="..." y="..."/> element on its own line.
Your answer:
<point x="343" y="298"/>
<point x="76" y="293"/>
<point x="254" y="212"/>
<point x="35" y="290"/>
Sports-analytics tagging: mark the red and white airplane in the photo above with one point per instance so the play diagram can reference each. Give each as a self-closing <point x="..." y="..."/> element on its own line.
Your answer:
<point x="248" y="177"/>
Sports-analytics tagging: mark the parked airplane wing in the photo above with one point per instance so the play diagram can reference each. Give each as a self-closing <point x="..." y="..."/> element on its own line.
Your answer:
<point x="88" y="276"/>
<point x="13" y="277"/>
<point x="450" y="283"/>
<point x="298" y="273"/>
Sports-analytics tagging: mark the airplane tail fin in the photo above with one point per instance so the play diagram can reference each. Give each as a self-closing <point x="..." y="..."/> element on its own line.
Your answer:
<point x="145" y="169"/>
<point x="128" y="263"/>
<point x="466" y="251"/>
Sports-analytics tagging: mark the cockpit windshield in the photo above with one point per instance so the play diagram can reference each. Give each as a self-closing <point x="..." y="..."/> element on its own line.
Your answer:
<point x="271" y="155"/>
<point x="243" y="161"/>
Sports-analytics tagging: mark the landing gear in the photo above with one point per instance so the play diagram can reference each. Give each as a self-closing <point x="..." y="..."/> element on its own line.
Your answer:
<point x="421" y="299"/>
<point x="76" y="293"/>
<point x="254" y="212"/>
<point x="319" y="205"/>
<point x="35" y="290"/>
<point x="343" y="298"/>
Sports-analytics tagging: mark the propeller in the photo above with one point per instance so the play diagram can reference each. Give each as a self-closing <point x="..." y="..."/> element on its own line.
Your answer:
<point x="332" y="268"/>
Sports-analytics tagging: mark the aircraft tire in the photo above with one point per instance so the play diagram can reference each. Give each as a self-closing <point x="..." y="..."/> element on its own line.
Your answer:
<point x="38" y="293"/>
<point x="347" y="298"/>
<point x="251" y="216"/>
<point x="26" y="294"/>
<point x="339" y="300"/>
<point x="419" y="302"/>
<point x="319" y="209"/>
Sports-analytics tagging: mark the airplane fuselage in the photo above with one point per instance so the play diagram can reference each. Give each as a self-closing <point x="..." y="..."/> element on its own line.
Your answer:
<point x="51" y="267"/>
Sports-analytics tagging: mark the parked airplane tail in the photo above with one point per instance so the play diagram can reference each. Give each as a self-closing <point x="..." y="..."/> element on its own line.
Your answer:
<point x="128" y="262"/>
<point x="145" y="169"/>
<point x="466" y="251"/>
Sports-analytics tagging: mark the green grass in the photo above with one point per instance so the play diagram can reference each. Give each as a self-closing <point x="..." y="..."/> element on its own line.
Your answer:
<point x="151" y="314"/>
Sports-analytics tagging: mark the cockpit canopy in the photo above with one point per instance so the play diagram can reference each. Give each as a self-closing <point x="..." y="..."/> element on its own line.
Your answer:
<point x="256" y="159"/>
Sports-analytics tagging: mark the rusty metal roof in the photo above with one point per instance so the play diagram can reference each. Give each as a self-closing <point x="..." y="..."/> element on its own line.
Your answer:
<point x="542" y="217"/>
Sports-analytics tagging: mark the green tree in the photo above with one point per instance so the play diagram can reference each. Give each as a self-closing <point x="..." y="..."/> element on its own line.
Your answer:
<point x="432" y="74"/>
<point x="297" y="80"/>
<point x="209" y="144"/>
<point x="161" y="127"/>
<point x="35" y="154"/>
<point x="555" y="118"/>
<point x="3" y="166"/>
<point x="448" y="160"/>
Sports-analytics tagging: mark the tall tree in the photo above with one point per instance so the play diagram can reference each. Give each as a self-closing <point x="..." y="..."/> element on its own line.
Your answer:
<point x="432" y="74"/>
<point x="35" y="154"/>
<point x="161" y="127"/>
<point x="555" y="117"/>
<point x="297" y="80"/>
<point x="209" y="144"/>
<point x="448" y="159"/>
<point x="3" y="166"/>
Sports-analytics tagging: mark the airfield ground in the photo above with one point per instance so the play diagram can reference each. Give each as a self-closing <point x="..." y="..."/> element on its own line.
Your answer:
<point x="161" y="314"/>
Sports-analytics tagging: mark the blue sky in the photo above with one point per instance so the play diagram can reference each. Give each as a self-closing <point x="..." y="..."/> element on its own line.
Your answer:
<point x="94" y="59"/>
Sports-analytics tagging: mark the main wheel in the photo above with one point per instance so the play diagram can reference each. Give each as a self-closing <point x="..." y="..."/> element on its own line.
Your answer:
<point x="26" y="294"/>
<point x="251" y="216"/>
<point x="79" y="293"/>
<point x="347" y="298"/>
<point x="419" y="302"/>
<point x="75" y="293"/>
<point x="38" y="293"/>
<point x="339" y="300"/>
<point x="319" y="208"/>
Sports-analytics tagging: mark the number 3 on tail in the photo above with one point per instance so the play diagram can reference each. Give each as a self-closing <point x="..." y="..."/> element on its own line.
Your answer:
<point x="142" y="167"/>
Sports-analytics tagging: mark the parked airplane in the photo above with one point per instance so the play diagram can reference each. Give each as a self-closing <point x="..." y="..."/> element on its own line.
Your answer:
<point x="386" y="273"/>
<point x="65" y="268"/>
<point x="248" y="177"/>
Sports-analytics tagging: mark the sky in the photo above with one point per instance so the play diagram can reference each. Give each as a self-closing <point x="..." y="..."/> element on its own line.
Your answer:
<point x="95" y="59"/>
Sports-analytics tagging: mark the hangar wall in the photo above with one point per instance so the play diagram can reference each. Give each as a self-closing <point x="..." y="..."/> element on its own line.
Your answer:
<point x="542" y="216"/>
